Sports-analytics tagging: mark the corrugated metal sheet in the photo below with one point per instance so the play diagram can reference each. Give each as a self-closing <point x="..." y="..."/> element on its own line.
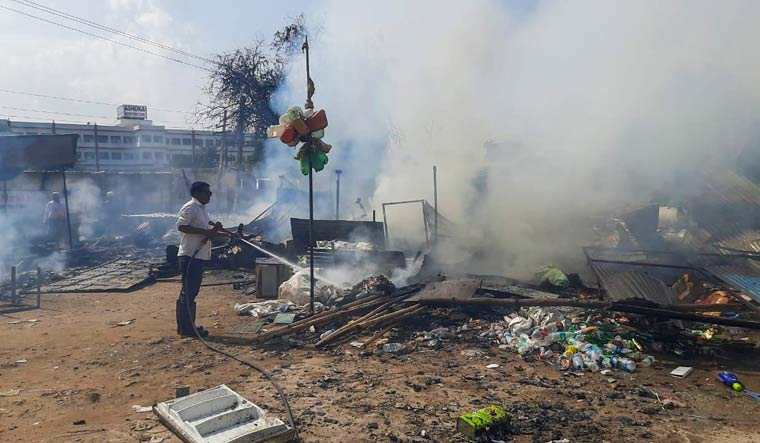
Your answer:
<point x="346" y="230"/>
<point x="743" y="275"/>
<point x="632" y="285"/>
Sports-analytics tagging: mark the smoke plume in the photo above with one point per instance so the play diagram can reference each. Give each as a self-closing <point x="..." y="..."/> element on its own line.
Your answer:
<point x="588" y="107"/>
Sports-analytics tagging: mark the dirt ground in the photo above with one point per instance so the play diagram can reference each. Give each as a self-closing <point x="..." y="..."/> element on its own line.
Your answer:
<point x="79" y="366"/>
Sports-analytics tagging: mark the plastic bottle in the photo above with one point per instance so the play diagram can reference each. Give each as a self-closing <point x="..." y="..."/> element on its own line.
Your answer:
<point x="647" y="361"/>
<point x="617" y="349"/>
<point x="591" y="365"/>
<point x="558" y="336"/>
<point x="525" y="345"/>
<point x="326" y="333"/>
<point x="546" y="354"/>
<point x="509" y="338"/>
<point x="623" y="363"/>
<point x="579" y="344"/>
<point x="593" y="353"/>
<point x="577" y="361"/>
<point x="393" y="347"/>
<point x="607" y="362"/>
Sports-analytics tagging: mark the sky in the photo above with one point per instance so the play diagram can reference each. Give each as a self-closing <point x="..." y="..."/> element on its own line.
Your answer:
<point x="42" y="58"/>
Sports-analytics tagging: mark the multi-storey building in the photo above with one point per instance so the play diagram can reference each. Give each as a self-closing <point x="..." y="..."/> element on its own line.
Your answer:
<point x="135" y="143"/>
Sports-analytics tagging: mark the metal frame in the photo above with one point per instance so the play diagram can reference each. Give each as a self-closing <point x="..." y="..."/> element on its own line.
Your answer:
<point x="406" y="202"/>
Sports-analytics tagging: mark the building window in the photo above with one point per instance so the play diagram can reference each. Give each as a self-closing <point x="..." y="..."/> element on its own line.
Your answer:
<point x="88" y="155"/>
<point x="128" y="139"/>
<point x="159" y="155"/>
<point x="102" y="139"/>
<point x="176" y="141"/>
<point x="158" y="139"/>
<point x="116" y="139"/>
<point x="116" y="156"/>
<point x="129" y="156"/>
<point x="79" y="155"/>
<point x="218" y="142"/>
<point x="88" y="138"/>
<point x="187" y="141"/>
<point x="147" y="156"/>
<point x="104" y="155"/>
<point x="210" y="143"/>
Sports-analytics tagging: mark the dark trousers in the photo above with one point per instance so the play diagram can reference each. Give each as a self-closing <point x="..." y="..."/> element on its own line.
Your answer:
<point x="191" y="272"/>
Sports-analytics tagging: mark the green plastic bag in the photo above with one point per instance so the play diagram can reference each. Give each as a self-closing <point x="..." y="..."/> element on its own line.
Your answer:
<point x="552" y="276"/>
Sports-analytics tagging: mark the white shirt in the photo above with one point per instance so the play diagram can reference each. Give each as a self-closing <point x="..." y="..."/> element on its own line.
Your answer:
<point x="55" y="211"/>
<point x="193" y="214"/>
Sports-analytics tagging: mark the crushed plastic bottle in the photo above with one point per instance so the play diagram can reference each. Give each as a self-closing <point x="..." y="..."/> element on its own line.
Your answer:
<point x="647" y="361"/>
<point x="558" y="336"/>
<point x="508" y="338"/>
<point x="593" y="353"/>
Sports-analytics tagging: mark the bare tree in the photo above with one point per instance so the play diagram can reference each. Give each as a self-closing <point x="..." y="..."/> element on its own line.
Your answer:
<point x="244" y="80"/>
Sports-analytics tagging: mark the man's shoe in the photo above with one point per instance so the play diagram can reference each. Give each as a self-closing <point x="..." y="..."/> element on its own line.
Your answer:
<point x="202" y="332"/>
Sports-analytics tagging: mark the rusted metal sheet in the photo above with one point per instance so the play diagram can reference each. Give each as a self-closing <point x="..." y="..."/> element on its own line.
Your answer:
<point x="114" y="276"/>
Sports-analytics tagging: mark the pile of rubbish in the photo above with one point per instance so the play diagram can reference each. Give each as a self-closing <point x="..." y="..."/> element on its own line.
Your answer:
<point x="572" y="343"/>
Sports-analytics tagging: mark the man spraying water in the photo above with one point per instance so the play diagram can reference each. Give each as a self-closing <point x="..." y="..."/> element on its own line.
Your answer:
<point x="194" y="253"/>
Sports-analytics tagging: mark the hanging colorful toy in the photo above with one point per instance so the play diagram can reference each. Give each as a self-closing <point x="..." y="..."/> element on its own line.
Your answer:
<point x="307" y="127"/>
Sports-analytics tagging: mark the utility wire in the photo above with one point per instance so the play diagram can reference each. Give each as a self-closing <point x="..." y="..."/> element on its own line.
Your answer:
<point x="93" y="24"/>
<point x="105" y="38"/>
<point x="53" y="112"/>
<point x="92" y="102"/>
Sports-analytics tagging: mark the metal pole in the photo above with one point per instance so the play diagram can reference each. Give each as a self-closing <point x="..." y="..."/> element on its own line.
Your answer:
<point x="39" y="287"/>
<point x="385" y="225"/>
<point x="52" y="127"/>
<point x="311" y="233"/>
<point x="337" y="194"/>
<point x="192" y="136"/>
<point x="224" y="138"/>
<point x="425" y="222"/>
<point x="66" y="199"/>
<point x="5" y="196"/>
<point x="374" y="219"/>
<point x="310" y="149"/>
<point x="13" y="284"/>
<point x="435" y="203"/>
<point x="97" y="150"/>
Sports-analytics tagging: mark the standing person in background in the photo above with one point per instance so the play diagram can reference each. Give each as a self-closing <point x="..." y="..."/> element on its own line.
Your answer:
<point x="194" y="253"/>
<point x="55" y="219"/>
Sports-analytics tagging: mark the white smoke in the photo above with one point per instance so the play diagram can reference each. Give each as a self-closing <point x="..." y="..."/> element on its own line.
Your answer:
<point x="592" y="105"/>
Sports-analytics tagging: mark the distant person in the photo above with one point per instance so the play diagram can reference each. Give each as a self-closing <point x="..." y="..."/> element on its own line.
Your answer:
<point x="55" y="219"/>
<point x="194" y="252"/>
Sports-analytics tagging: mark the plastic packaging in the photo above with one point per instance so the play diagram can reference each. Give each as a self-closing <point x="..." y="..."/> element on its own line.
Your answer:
<point x="647" y="361"/>
<point x="617" y="349"/>
<point x="327" y="333"/>
<point x="577" y="361"/>
<point x="623" y="363"/>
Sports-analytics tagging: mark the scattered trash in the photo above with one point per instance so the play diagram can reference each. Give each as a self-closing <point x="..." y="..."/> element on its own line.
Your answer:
<point x="22" y="361"/>
<point x="732" y="381"/>
<point x="10" y="393"/>
<point x="393" y="347"/>
<point x="327" y="333"/>
<point x="476" y="423"/>
<point x="681" y="371"/>
<point x="493" y="366"/>
<point x="80" y="422"/>
<point x="263" y="309"/>
<point x="141" y="409"/>
<point x="122" y="323"/>
<point x="284" y="319"/>
<point x="552" y="276"/>
<point x="221" y="415"/>
<point x="357" y="344"/>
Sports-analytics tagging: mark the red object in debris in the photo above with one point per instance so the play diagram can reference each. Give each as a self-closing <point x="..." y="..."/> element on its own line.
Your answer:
<point x="318" y="121"/>
<point x="288" y="135"/>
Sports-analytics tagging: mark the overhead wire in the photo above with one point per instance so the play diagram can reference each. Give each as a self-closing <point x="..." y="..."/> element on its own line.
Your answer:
<point x="96" y="25"/>
<point x="105" y="38"/>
